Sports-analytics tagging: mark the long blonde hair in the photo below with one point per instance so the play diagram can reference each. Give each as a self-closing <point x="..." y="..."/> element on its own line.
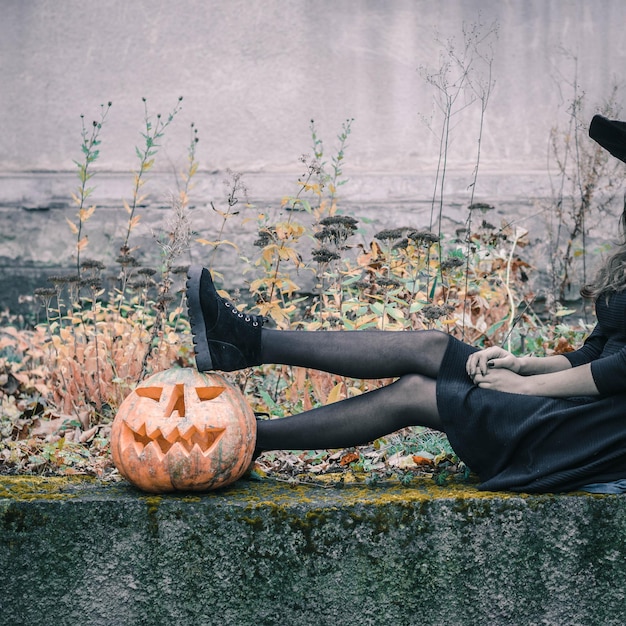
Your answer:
<point x="611" y="277"/>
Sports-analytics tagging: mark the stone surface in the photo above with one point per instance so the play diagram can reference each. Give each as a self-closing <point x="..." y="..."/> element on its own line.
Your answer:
<point x="267" y="553"/>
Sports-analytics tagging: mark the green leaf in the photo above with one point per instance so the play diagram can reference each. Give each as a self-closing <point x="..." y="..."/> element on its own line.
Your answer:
<point x="378" y="308"/>
<point x="397" y="314"/>
<point x="351" y="280"/>
<point x="271" y="405"/>
<point x="494" y="327"/>
<point x="433" y="288"/>
<point x="369" y="325"/>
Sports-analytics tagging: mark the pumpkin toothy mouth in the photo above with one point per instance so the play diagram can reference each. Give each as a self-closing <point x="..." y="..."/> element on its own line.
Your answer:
<point x="175" y="431"/>
<point x="162" y="441"/>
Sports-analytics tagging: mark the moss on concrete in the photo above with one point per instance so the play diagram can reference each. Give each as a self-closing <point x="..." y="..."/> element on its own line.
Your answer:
<point x="20" y="488"/>
<point x="79" y="552"/>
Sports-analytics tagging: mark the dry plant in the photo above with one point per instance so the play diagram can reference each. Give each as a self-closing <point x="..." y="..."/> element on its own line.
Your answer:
<point x="67" y="376"/>
<point x="152" y="135"/>
<point x="463" y="80"/>
<point x="91" y="152"/>
<point x="584" y="188"/>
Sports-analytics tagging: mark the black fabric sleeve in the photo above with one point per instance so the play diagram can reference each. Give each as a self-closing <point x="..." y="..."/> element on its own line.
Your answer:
<point x="609" y="373"/>
<point x="590" y="350"/>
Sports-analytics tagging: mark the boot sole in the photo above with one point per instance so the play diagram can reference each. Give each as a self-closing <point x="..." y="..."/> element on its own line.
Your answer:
<point x="196" y="319"/>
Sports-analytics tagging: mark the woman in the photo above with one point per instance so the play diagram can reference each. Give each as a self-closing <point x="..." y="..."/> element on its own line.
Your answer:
<point x="529" y="424"/>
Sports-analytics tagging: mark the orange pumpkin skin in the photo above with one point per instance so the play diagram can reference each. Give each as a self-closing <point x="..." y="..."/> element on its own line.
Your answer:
<point x="183" y="430"/>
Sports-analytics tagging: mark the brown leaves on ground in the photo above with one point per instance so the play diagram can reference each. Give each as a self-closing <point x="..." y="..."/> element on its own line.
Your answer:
<point x="398" y="457"/>
<point x="59" y="393"/>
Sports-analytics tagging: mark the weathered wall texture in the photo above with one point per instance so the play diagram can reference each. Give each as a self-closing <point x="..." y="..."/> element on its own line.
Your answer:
<point x="265" y="553"/>
<point x="254" y="73"/>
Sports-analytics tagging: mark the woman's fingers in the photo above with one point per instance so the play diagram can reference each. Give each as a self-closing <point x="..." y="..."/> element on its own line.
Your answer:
<point x="477" y="362"/>
<point x="482" y="360"/>
<point x="499" y="379"/>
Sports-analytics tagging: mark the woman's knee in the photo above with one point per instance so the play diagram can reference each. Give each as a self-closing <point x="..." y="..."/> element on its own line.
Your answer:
<point x="416" y="386"/>
<point x="429" y="351"/>
<point x="419" y="395"/>
<point x="437" y="339"/>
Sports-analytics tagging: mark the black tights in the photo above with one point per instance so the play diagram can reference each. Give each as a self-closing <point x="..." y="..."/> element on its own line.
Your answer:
<point x="414" y="357"/>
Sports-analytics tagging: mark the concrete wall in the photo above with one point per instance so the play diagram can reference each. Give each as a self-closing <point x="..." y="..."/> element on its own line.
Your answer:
<point x="254" y="73"/>
<point x="266" y="553"/>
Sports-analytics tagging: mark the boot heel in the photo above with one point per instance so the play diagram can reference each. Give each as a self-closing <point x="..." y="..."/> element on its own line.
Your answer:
<point x="204" y="362"/>
<point x="224" y="338"/>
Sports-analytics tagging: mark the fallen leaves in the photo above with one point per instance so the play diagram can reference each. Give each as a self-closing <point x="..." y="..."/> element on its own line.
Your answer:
<point x="36" y="435"/>
<point x="384" y="461"/>
<point x="349" y="457"/>
<point x="422" y="460"/>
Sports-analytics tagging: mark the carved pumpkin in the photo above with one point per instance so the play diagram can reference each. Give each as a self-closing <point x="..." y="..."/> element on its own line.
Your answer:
<point x="183" y="430"/>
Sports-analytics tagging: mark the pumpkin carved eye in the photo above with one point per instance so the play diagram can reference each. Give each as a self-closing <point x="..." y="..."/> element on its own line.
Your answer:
<point x="170" y="434"/>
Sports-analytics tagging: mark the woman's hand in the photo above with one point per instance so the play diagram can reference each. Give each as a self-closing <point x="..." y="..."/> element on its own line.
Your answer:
<point x="491" y="358"/>
<point x="500" y="379"/>
<point x="553" y="376"/>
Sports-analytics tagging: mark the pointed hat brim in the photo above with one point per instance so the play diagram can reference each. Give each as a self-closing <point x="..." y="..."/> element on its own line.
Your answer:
<point x="610" y="134"/>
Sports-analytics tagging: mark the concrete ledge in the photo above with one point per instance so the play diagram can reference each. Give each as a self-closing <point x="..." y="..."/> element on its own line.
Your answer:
<point x="266" y="553"/>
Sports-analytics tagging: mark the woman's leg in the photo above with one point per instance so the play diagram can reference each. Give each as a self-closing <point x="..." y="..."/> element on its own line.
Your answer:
<point x="227" y="339"/>
<point x="410" y="401"/>
<point x="358" y="354"/>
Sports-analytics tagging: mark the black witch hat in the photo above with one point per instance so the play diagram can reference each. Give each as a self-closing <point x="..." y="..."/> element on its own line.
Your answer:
<point x="610" y="134"/>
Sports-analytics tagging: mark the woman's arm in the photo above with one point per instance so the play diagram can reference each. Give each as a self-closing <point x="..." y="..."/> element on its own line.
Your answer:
<point x="590" y="350"/>
<point x="552" y="376"/>
<point x="530" y="365"/>
<point x="496" y="357"/>
<point x="574" y="381"/>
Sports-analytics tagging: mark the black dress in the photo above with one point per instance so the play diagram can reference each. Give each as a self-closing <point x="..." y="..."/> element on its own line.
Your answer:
<point x="538" y="444"/>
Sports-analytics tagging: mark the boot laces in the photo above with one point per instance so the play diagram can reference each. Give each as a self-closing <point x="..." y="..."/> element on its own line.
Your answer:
<point x="256" y="320"/>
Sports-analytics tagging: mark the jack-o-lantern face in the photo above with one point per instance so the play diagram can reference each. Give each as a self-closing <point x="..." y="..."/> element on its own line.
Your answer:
<point x="183" y="430"/>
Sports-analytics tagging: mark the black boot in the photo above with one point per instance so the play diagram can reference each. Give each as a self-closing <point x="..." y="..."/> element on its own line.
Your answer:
<point x="224" y="338"/>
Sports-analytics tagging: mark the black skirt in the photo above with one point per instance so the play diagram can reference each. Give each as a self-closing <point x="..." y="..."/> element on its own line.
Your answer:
<point x="529" y="443"/>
